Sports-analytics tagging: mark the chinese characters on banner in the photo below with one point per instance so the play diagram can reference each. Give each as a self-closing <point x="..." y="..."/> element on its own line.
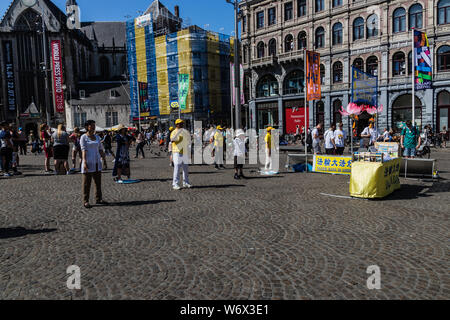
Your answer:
<point x="422" y="61"/>
<point x="143" y="99"/>
<point x="9" y="75"/>
<point x="333" y="164"/>
<point x="57" y="76"/>
<point x="364" y="87"/>
<point x="313" y="91"/>
<point x="183" y="87"/>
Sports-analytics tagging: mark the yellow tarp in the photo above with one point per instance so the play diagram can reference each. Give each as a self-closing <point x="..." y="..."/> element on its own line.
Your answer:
<point x="374" y="179"/>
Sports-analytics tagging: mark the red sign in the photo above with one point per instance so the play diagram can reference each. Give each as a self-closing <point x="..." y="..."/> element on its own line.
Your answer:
<point x="57" y="76"/>
<point x="313" y="91"/>
<point x="295" y="117"/>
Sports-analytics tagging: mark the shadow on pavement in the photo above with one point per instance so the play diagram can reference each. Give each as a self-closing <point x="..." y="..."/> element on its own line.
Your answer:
<point x="408" y="192"/>
<point x="137" y="203"/>
<point x="223" y="186"/>
<point x="18" y="232"/>
<point x="155" y="180"/>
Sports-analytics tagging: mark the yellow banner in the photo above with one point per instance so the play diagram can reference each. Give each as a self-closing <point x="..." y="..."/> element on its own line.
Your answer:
<point x="374" y="179"/>
<point x="333" y="164"/>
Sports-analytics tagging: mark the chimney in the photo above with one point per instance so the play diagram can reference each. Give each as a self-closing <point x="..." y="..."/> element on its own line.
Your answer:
<point x="177" y="11"/>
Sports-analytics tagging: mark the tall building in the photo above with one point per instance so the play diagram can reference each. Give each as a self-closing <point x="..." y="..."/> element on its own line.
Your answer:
<point x="86" y="60"/>
<point x="373" y="35"/>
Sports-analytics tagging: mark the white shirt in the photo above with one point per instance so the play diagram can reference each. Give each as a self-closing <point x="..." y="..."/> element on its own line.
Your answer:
<point x="328" y="136"/>
<point x="386" y="135"/>
<point x="92" y="148"/>
<point x="313" y="133"/>
<point x="239" y="147"/>
<point x="339" y="138"/>
<point x="373" y="134"/>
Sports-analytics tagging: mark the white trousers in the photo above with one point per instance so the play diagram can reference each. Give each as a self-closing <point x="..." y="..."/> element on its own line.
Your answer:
<point x="180" y="162"/>
<point x="268" y="160"/>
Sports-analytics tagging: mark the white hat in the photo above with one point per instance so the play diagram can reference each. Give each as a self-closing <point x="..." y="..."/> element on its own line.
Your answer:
<point x="240" y="132"/>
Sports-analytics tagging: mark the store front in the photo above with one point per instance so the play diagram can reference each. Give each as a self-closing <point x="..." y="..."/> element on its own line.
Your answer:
<point x="402" y="111"/>
<point x="443" y="110"/>
<point x="267" y="115"/>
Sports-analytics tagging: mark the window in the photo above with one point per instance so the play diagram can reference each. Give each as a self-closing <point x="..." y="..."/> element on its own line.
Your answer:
<point x="359" y="64"/>
<point x="320" y="5"/>
<point x="289" y="43"/>
<point x="244" y="24"/>
<point x="322" y="74"/>
<point x="104" y="68"/>
<point x="443" y="11"/>
<point x="372" y="26"/>
<point x="260" y="20"/>
<point x="399" y="20"/>
<point x="337" y="3"/>
<point x="272" y="16"/>
<point x="358" y="29"/>
<point x="273" y="47"/>
<point x="415" y="16"/>
<point x="398" y="65"/>
<point x="113" y="94"/>
<point x="337" y="72"/>
<point x="320" y="37"/>
<point x="410" y="62"/>
<point x="294" y="82"/>
<point x="267" y="86"/>
<point x="337" y="117"/>
<point x="337" y="33"/>
<point x="82" y="94"/>
<point x="79" y="119"/>
<point x="402" y="110"/>
<point x="372" y="65"/>
<point x="288" y="11"/>
<point x="260" y="50"/>
<point x="443" y="58"/>
<point x="301" y="9"/>
<point x="320" y="112"/>
<point x="302" y="40"/>
<point x="112" y="119"/>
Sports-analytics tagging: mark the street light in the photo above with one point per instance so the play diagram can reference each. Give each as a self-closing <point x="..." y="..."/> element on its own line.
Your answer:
<point x="237" y="77"/>
<point x="29" y="4"/>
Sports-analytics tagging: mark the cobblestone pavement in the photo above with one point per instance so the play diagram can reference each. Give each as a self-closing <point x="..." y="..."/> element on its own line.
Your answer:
<point x="262" y="238"/>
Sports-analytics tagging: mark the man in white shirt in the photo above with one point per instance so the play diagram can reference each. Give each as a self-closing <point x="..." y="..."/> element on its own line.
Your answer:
<point x="330" y="145"/>
<point x="316" y="139"/>
<point x="339" y="139"/>
<point x="371" y="133"/>
<point x="386" y="136"/>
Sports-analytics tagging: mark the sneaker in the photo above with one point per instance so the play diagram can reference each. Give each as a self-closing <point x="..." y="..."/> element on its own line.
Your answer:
<point x="7" y="174"/>
<point x="176" y="188"/>
<point x="119" y="181"/>
<point x="217" y="168"/>
<point x="17" y="173"/>
<point x="236" y="177"/>
<point x="187" y="186"/>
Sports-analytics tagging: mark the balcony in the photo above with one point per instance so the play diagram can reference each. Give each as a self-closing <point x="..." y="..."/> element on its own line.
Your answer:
<point x="264" y="62"/>
<point x="291" y="56"/>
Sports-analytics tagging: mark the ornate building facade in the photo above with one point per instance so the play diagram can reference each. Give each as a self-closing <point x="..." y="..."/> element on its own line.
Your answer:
<point x="373" y="35"/>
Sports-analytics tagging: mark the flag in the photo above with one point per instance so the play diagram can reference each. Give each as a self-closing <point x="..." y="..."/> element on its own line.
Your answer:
<point x="422" y="61"/>
<point x="183" y="87"/>
<point x="313" y="89"/>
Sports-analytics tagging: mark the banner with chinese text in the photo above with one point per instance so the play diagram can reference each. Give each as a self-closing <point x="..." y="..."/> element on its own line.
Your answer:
<point x="183" y="87"/>
<point x="364" y="87"/>
<point x="333" y="164"/>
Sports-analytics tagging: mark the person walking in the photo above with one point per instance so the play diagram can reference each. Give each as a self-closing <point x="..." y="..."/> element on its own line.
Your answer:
<point x="122" y="163"/>
<point x="239" y="154"/>
<point x="330" y="146"/>
<point x="410" y="140"/>
<point x="180" y="153"/>
<point x="60" y="141"/>
<point x="140" y="143"/>
<point x="339" y="139"/>
<point x="218" y="148"/>
<point x="443" y="135"/>
<point x="91" y="168"/>
<point x="268" y="141"/>
<point x="48" y="148"/>
<point x="316" y="139"/>
<point x="22" y="141"/>
<point x="6" y="148"/>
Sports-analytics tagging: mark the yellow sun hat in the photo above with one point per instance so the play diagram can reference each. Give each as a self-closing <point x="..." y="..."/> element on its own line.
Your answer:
<point x="269" y="129"/>
<point x="179" y="121"/>
<point x="219" y="128"/>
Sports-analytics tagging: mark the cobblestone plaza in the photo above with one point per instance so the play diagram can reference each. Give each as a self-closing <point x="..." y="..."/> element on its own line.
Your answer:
<point x="274" y="237"/>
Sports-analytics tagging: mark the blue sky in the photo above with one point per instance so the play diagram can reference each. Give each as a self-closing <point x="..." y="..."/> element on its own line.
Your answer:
<point x="217" y="14"/>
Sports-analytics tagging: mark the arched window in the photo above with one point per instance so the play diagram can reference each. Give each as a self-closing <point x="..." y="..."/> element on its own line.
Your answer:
<point x="337" y="117"/>
<point x="273" y="47"/>
<point x="322" y="74"/>
<point x="372" y="65"/>
<point x="359" y="63"/>
<point x="320" y="37"/>
<point x="337" y="33"/>
<point x="358" y="29"/>
<point x="398" y="64"/>
<point x="415" y="16"/>
<point x="443" y="11"/>
<point x="260" y="50"/>
<point x="294" y="82"/>
<point x="402" y="110"/>
<point x="443" y="58"/>
<point x="372" y="26"/>
<point x="399" y="20"/>
<point x="443" y="103"/>
<point x="320" y="112"/>
<point x="302" y="40"/>
<point x="104" y="68"/>
<point x="267" y="86"/>
<point x="337" y="72"/>
<point x="289" y="43"/>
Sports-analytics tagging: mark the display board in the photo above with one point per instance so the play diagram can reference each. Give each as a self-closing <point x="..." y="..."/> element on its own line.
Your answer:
<point x="332" y="164"/>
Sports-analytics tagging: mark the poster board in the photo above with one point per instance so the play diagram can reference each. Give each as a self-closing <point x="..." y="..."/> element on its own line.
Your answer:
<point x="332" y="164"/>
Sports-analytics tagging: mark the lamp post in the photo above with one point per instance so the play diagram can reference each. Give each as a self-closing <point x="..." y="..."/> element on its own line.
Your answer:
<point x="30" y="4"/>
<point x="237" y="77"/>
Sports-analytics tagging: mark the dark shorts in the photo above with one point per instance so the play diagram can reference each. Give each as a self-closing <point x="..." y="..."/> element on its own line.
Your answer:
<point x="61" y="152"/>
<point x="239" y="162"/>
<point x="330" y="151"/>
<point x="340" y="150"/>
<point x="120" y="165"/>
